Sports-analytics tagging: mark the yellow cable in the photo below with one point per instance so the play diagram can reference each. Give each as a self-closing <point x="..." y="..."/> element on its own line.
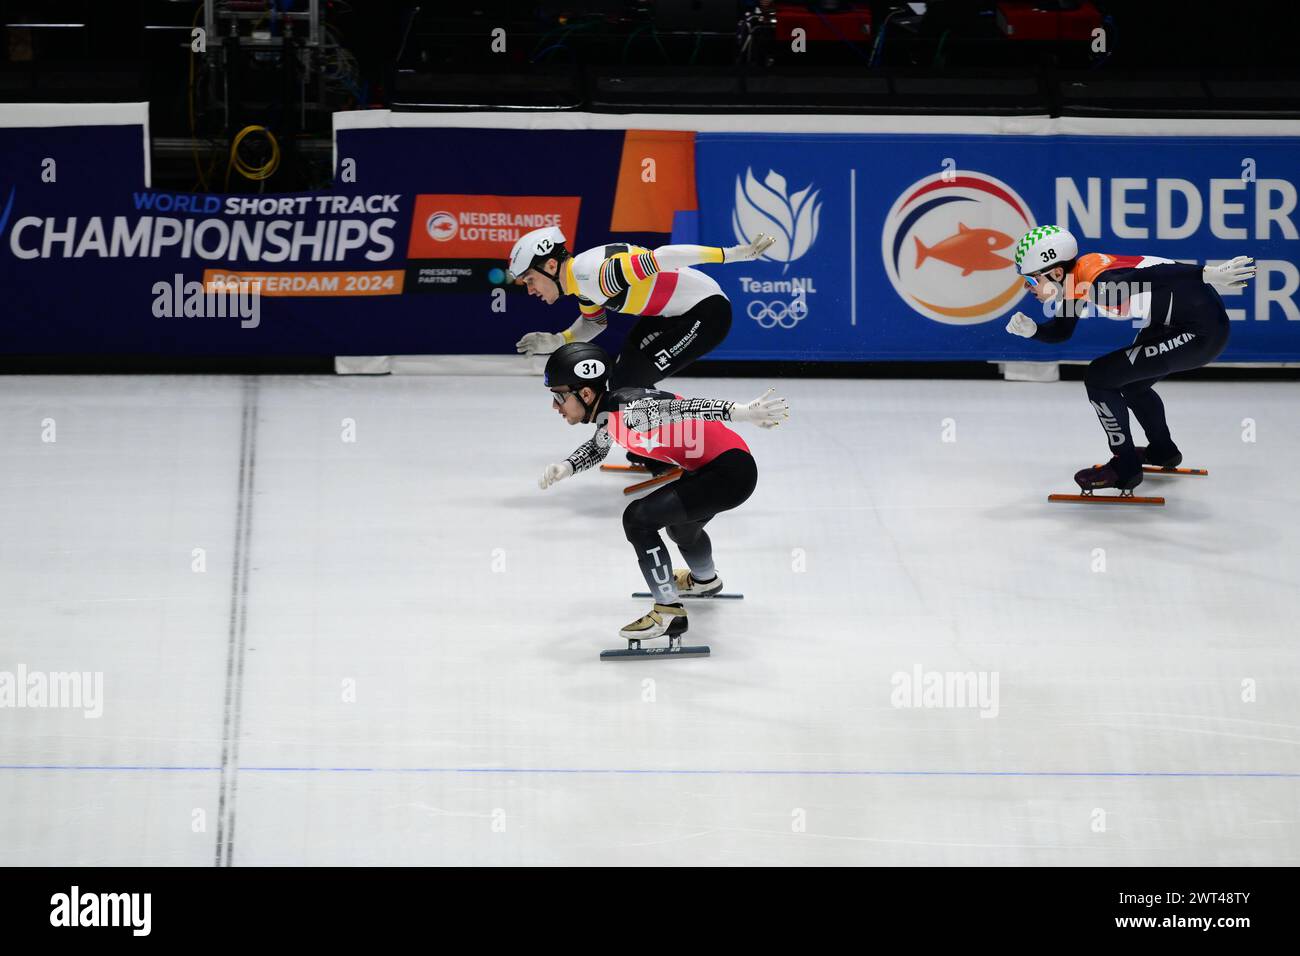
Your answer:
<point x="254" y="173"/>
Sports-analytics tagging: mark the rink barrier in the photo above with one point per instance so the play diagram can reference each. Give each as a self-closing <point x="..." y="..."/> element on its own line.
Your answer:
<point x="370" y="271"/>
<point x="870" y="181"/>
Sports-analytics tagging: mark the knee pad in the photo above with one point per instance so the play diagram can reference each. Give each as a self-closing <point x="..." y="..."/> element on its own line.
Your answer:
<point x="687" y="535"/>
<point x="1099" y="376"/>
<point x="634" y="520"/>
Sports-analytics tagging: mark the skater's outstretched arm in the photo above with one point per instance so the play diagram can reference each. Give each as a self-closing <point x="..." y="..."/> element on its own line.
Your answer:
<point x="622" y="269"/>
<point x="1060" y="328"/>
<point x="646" y="414"/>
<point x="1056" y="330"/>
<point x="591" y="452"/>
<point x="588" y="455"/>
<point x="1233" y="274"/>
<point x="590" y="324"/>
<point x="680" y="256"/>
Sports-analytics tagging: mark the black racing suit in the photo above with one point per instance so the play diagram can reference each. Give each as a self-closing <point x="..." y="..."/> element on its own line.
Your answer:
<point x="684" y="507"/>
<point x="659" y="346"/>
<point x="1186" y="327"/>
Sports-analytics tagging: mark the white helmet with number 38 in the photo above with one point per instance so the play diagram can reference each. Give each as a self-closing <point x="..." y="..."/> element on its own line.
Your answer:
<point x="1044" y="247"/>
<point x="531" y="246"/>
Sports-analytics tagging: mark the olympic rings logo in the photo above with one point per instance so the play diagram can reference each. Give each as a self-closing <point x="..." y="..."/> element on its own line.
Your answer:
<point x="771" y="314"/>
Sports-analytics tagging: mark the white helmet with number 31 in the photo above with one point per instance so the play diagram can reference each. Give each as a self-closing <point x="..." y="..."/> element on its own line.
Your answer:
<point x="1044" y="247"/>
<point x="531" y="246"/>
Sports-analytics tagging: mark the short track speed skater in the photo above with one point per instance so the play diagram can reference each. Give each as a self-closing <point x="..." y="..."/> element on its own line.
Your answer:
<point x="1182" y="325"/>
<point x="712" y="465"/>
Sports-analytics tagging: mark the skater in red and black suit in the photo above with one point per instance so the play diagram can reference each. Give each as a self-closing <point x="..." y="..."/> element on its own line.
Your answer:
<point x="682" y="313"/>
<point x="719" y="472"/>
<point x="1183" y="326"/>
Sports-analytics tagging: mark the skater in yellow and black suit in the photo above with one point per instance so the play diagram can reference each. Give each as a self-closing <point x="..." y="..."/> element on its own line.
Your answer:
<point x="683" y="313"/>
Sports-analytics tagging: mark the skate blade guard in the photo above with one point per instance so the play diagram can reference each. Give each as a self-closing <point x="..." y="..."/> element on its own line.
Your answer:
<point x="635" y="469"/>
<point x="1091" y="498"/>
<point x="1157" y="470"/>
<point x="651" y="482"/>
<point x="719" y="596"/>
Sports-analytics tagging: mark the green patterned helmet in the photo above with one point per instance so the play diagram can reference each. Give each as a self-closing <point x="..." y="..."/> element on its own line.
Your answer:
<point x="1044" y="247"/>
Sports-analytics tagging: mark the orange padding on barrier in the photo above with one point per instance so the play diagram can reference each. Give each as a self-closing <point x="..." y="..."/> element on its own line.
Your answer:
<point x="641" y="206"/>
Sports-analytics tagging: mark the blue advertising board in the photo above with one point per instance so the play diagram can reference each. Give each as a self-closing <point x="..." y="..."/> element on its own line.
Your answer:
<point x="900" y="246"/>
<point x="893" y="244"/>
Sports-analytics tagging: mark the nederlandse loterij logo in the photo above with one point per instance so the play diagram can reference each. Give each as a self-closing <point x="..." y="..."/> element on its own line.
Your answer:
<point x="441" y="226"/>
<point x="765" y="207"/>
<point x="948" y="245"/>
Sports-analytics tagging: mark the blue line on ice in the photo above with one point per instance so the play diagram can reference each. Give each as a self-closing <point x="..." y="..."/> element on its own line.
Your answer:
<point x="705" y="772"/>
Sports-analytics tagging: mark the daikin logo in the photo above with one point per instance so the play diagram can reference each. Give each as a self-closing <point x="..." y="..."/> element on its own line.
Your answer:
<point x="766" y="207"/>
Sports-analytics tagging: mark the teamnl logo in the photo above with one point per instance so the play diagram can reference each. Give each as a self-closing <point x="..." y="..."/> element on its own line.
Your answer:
<point x="794" y="221"/>
<point x="948" y="244"/>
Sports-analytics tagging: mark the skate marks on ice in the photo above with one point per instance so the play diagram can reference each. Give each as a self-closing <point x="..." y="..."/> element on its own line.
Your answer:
<point x="481" y="689"/>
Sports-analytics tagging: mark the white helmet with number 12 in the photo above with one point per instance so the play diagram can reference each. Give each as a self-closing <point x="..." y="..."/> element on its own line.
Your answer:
<point x="540" y="244"/>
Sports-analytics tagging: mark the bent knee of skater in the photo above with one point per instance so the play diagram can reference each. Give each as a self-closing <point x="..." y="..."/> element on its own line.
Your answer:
<point x="1099" y="375"/>
<point x="683" y="535"/>
<point x="635" y="519"/>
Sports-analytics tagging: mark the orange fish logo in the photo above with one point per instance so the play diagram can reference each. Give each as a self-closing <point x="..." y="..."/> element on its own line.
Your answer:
<point x="978" y="278"/>
<point x="441" y="226"/>
<point x="971" y="249"/>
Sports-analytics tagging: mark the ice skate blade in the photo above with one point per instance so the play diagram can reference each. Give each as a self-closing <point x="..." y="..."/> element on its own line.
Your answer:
<point x="697" y="597"/>
<point x="638" y="469"/>
<point x="1096" y="499"/>
<point x="1157" y="470"/>
<point x="651" y="482"/>
<point x="639" y="653"/>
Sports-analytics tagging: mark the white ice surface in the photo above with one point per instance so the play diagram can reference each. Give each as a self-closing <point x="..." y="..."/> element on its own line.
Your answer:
<point x="422" y="564"/>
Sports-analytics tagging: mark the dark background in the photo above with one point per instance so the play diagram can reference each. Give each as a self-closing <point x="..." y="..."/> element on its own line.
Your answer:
<point x="1197" y="58"/>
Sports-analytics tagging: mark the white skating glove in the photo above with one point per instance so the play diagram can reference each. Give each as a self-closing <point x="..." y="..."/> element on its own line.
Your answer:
<point x="1022" y="325"/>
<point x="539" y="343"/>
<point x="762" y="411"/>
<point x="1233" y="274"/>
<point x="750" y="252"/>
<point x="554" y="473"/>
